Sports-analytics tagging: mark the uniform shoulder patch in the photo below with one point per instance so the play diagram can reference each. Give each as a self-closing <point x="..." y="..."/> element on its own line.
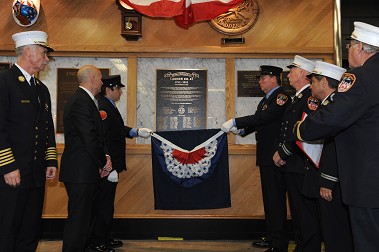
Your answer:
<point x="281" y="99"/>
<point x="348" y="80"/>
<point x="313" y="103"/>
<point x="103" y="115"/>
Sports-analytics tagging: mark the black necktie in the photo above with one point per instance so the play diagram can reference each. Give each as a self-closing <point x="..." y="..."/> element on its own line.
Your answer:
<point x="34" y="88"/>
<point x="32" y="83"/>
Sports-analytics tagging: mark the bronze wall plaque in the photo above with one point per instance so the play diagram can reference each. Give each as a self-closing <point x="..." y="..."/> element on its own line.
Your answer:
<point x="67" y="84"/>
<point x="181" y="100"/>
<point x="238" y="19"/>
<point x="248" y="84"/>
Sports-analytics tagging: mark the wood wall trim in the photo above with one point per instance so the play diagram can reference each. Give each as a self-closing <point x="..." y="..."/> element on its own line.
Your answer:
<point x="131" y="115"/>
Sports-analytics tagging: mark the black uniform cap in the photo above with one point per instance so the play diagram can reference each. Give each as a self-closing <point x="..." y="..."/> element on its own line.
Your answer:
<point x="270" y="70"/>
<point x="112" y="81"/>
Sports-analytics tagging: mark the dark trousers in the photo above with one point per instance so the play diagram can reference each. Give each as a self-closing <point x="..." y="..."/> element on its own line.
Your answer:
<point x="365" y="228"/>
<point x="20" y="218"/>
<point x="81" y="208"/>
<point x="105" y="211"/>
<point x="274" y="201"/>
<point x="335" y="221"/>
<point x="305" y="214"/>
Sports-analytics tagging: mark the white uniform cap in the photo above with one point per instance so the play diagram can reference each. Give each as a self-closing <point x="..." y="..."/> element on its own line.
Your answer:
<point x="302" y="63"/>
<point x="366" y="33"/>
<point x="31" y="38"/>
<point x="329" y="70"/>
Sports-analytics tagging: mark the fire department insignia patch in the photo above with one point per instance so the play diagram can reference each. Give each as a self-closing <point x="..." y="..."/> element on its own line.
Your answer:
<point x="348" y="80"/>
<point x="281" y="99"/>
<point x="103" y="115"/>
<point x="313" y="103"/>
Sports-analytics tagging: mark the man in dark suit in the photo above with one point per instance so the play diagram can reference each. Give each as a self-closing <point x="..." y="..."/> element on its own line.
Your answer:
<point x="84" y="159"/>
<point x="27" y="144"/>
<point x="266" y="123"/>
<point x="353" y="118"/>
<point x="115" y="132"/>
<point x="323" y="183"/>
<point x="293" y="162"/>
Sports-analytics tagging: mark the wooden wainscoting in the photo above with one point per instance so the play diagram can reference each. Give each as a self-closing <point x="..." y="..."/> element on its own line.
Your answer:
<point x="135" y="197"/>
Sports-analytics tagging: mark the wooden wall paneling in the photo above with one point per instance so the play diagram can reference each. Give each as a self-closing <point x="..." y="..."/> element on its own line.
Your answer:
<point x="230" y="93"/>
<point x="135" y="197"/>
<point x="92" y="28"/>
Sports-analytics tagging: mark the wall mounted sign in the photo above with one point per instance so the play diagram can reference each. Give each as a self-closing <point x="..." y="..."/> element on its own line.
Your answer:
<point x="4" y="66"/>
<point x="181" y="100"/>
<point x="248" y="84"/>
<point x="238" y="19"/>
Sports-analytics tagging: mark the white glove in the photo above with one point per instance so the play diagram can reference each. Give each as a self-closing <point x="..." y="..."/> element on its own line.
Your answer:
<point x="235" y="131"/>
<point x="227" y="126"/>
<point x="144" y="132"/>
<point x="113" y="176"/>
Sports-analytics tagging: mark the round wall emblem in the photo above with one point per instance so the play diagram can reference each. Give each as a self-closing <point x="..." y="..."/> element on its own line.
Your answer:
<point x="238" y="19"/>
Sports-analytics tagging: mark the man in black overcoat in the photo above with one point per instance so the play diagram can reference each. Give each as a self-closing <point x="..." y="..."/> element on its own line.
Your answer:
<point x="84" y="159"/>
<point x="266" y="122"/>
<point x="115" y="133"/>
<point x="293" y="162"/>
<point x="28" y="153"/>
<point x="353" y="120"/>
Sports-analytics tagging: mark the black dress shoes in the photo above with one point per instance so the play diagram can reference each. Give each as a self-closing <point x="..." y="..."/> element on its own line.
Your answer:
<point x="100" y="248"/>
<point x="114" y="244"/>
<point x="262" y="243"/>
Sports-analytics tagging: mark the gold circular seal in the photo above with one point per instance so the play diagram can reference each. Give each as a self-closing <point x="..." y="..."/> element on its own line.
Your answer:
<point x="238" y="19"/>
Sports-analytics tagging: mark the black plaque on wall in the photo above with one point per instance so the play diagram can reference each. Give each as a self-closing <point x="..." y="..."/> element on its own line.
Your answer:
<point x="248" y="84"/>
<point x="286" y="84"/>
<point x="67" y="84"/>
<point x="181" y="100"/>
<point x="4" y="66"/>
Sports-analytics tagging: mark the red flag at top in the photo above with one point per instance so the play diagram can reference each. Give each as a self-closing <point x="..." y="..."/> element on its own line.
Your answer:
<point x="185" y="12"/>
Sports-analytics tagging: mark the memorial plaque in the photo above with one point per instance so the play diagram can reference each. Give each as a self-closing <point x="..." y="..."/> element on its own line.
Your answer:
<point x="181" y="100"/>
<point x="67" y="84"/>
<point x="286" y="84"/>
<point x="4" y="66"/>
<point x="248" y="84"/>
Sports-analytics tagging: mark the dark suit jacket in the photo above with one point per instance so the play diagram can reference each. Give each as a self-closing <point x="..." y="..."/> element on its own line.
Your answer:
<point x="266" y="122"/>
<point x="115" y="132"/>
<point x="27" y="137"/>
<point x="84" y="153"/>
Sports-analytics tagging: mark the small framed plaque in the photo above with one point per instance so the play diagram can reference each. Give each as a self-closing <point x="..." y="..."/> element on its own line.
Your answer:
<point x="4" y="66"/>
<point x="286" y="84"/>
<point x="248" y="84"/>
<point x="181" y="100"/>
<point x="67" y="84"/>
